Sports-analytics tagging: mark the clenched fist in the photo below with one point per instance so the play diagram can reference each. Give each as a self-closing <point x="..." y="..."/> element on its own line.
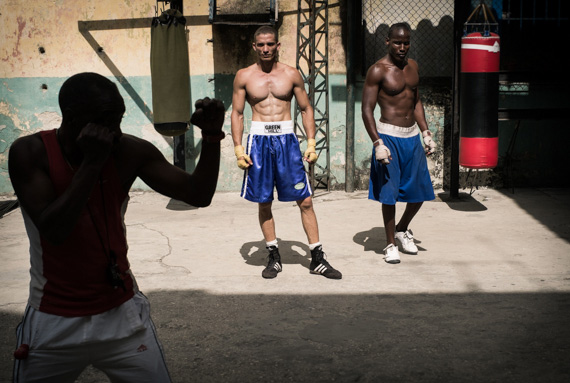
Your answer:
<point x="209" y="116"/>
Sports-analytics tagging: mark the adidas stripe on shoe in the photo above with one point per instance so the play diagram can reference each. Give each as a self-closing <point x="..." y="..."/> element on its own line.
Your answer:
<point x="319" y="265"/>
<point x="273" y="263"/>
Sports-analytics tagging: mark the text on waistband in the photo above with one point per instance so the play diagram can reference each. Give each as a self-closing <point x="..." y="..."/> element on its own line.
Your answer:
<point x="272" y="128"/>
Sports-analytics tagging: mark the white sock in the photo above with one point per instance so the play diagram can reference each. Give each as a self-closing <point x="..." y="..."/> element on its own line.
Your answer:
<point x="313" y="246"/>
<point x="272" y="243"/>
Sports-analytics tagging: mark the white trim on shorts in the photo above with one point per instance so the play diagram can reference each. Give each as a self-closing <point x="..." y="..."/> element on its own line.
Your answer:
<point x="76" y="342"/>
<point x="398" y="131"/>
<point x="265" y="128"/>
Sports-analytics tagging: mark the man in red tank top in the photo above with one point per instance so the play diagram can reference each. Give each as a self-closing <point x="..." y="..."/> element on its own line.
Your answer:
<point x="72" y="184"/>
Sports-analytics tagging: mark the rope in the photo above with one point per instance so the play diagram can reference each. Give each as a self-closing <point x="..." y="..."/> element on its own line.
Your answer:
<point x="487" y="14"/>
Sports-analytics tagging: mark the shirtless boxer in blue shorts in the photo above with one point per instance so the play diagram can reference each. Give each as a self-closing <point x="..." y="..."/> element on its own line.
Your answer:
<point x="272" y="157"/>
<point x="399" y="168"/>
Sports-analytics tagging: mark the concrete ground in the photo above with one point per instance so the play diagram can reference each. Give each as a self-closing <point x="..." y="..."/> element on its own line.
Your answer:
<point x="485" y="300"/>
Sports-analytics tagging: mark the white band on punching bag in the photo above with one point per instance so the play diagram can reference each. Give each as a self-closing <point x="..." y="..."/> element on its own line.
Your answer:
<point x="495" y="48"/>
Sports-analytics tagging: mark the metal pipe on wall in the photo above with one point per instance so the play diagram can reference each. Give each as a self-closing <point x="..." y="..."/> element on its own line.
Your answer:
<point x="350" y="94"/>
<point x="460" y="11"/>
<point x="179" y="142"/>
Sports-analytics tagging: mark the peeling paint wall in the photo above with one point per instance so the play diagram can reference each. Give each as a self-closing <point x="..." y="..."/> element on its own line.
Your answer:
<point x="44" y="43"/>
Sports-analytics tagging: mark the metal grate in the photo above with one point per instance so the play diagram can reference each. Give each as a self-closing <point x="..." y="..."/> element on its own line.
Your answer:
<point x="312" y="63"/>
<point x="432" y="32"/>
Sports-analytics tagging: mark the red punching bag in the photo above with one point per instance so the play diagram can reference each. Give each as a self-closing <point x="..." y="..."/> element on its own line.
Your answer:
<point x="479" y="100"/>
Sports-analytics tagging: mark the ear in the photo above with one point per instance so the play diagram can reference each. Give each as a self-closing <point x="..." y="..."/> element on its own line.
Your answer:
<point x="67" y="114"/>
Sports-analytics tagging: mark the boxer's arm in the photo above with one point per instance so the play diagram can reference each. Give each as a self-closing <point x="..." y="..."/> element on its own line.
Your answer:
<point x="369" y="100"/>
<point x="238" y="106"/>
<point x="307" y="113"/>
<point x="198" y="188"/>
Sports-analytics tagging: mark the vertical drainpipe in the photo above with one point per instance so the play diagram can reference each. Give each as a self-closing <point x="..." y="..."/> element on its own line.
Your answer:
<point x="460" y="13"/>
<point x="350" y="95"/>
<point x="179" y="142"/>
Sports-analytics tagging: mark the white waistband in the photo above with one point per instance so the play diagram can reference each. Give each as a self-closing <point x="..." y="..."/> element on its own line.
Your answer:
<point x="398" y="131"/>
<point x="270" y="128"/>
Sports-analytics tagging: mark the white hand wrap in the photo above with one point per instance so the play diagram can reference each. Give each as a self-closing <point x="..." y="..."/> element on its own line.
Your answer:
<point x="428" y="142"/>
<point x="381" y="152"/>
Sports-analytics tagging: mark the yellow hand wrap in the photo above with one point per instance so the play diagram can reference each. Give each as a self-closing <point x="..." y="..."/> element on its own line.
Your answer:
<point x="311" y="154"/>
<point x="243" y="160"/>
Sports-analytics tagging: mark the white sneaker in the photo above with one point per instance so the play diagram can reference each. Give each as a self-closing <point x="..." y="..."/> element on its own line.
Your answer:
<point x="391" y="254"/>
<point x="406" y="239"/>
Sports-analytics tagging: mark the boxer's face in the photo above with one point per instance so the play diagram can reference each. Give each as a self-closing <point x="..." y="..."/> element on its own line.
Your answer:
<point x="398" y="44"/>
<point x="266" y="47"/>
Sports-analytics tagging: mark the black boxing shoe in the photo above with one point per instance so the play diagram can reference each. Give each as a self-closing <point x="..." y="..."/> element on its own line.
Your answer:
<point x="319" y="265"/>
<point x="273" y="263"/>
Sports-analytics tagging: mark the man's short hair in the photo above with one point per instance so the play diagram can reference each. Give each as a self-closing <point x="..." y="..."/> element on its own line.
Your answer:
<point x="89" y="92"/>
<point x="265" y="29"/>
<point x="395" y="27"/>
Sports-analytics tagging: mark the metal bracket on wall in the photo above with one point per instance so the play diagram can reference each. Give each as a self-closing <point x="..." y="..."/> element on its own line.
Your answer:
<point x="224" y="14"/>
<point x="174" y="4"/>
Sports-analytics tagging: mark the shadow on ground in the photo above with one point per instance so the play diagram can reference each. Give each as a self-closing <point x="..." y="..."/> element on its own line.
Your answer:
<point x="549" y="206"/>
<point x="464" y="202"/>
<point x="292" y="252"/>
<point x="553" y="215"/>
<point x="355" y="338"/>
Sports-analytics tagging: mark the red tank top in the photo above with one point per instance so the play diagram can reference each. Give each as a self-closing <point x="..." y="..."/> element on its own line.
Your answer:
<point x="74" y="274"/>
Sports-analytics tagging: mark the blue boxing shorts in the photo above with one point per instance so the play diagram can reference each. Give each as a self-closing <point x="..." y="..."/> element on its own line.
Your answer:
<point x="406" y="178"/>
<point x="277" y="163"/>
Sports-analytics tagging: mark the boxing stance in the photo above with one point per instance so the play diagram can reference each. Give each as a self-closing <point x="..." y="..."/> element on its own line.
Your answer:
<point x="72" y="184"/>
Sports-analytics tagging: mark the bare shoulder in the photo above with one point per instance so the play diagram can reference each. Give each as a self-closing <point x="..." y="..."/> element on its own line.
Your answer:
<point x="31" y="146"/>
<point x="27" y="154"/>
<point x="245" y="72"/>
<point x="132" y="144"/>
<point x="289" y="72"/>
<point x="413" y="63"/>
<point x="377" y="70"/>
<point x="32" y="139"/>
<point x="243" y="76"/>
<point x="288" y="69"/>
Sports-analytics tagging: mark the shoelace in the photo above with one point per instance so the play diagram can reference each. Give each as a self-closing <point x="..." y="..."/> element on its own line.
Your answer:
<point x="321" y="259"/>
<point x="273" y="258"/>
